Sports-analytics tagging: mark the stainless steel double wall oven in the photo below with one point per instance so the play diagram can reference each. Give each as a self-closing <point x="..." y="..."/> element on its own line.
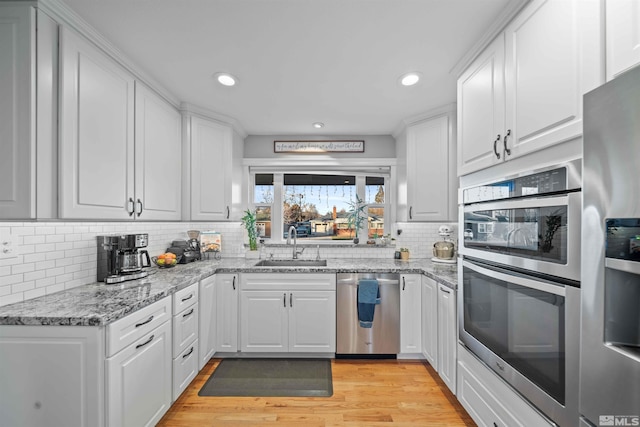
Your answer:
<point x="519" y="304"/>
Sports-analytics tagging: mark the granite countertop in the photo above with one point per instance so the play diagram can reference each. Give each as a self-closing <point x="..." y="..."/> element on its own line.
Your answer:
<point x="98" y="304"/>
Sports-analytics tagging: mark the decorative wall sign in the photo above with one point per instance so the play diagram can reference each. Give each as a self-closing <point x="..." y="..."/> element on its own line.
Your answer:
<point x="333" y="146"/>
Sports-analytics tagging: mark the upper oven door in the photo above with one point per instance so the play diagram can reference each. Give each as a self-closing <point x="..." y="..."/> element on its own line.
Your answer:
<point x="539" y="234"/>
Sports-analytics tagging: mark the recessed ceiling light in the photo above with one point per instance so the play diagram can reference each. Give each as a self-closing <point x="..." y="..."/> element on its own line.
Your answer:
<point x="409" y="79"/>
<point x="226" y="79"/>
<point x="318" y="125"/>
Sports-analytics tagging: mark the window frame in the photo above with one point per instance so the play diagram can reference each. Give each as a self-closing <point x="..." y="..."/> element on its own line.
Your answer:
<point x="277" y="232"/>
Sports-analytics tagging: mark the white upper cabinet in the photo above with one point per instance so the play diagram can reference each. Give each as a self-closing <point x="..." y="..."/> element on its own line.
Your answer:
<point x="426" y="174"/>
<point x="120" y="143"/>
<point x="96" y="133"/>
<point x="210" y="169"/>
<point x="481" y="110"/>
<point x="158" y="148"/>
<point x="552" y="57"/>
<point x="28" y="113"/>
<point x="623" y="36"/>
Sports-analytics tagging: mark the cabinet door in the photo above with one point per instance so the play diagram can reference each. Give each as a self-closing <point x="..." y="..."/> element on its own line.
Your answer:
<point x="481" y="110"/>
<point x="312" y="321"/>
<point x="210" y="170"/>
<point x="158" y="154"/>
<point x="623" y="36"/>
<point x="207" y="322"/>
<point x="428" y="170"/>
<point x="553" y="57"/>
<point x="96" y="151"/>
<point x="410" y="314"/>
<point x="139" y="381"/>
<point x="264" y="321"/>
<point x="447" y="336"/>
<point x="430" y="321"/>
<point x="227" y="312"/>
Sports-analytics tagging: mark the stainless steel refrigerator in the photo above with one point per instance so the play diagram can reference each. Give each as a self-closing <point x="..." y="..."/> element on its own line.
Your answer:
<point x="610" y="272"/>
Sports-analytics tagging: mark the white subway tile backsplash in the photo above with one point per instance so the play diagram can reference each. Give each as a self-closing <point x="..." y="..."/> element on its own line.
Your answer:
<point x="53" y="256"/>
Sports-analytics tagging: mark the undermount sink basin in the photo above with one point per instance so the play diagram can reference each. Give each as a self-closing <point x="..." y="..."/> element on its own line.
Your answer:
<point x="292" y="263"/>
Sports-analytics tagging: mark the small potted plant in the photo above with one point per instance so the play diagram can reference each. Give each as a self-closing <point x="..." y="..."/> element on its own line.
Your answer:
<point x="356" y="216"/>
<point x="249" y="222"/>
<point x="404" y="254"/>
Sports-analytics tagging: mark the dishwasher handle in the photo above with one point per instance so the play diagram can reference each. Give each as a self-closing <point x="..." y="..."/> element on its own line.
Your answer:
<point x="381" y="282"/>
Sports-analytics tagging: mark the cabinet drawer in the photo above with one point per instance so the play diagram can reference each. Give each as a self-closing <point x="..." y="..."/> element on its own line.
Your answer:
<point x="489" y="401"/>
<point x="185" y="329"/>
<point x="185" y="298"/>
<point x="185" y="369"/>
<point x="287" y="281"/>
<point x="127" y="330"/>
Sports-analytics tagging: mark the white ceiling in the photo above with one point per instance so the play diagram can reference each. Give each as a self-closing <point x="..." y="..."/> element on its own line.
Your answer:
<point x="299" y="61"/>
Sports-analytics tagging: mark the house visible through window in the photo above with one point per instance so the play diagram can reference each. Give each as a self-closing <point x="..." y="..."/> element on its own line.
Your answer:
<point x="318" y="205"/>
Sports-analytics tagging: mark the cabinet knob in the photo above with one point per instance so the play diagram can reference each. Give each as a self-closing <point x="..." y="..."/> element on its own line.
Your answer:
<point x="507" y="150"/>
<point x="495" y="148"/>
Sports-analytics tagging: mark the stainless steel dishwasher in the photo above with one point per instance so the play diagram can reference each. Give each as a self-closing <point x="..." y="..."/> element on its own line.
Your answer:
<point x="383" y="338"/>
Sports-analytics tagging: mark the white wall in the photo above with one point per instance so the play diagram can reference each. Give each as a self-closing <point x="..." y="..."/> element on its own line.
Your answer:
<point x="375" y="146"/>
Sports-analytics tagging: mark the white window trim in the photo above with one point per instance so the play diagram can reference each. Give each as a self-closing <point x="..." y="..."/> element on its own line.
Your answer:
<point x="360" y="170"/>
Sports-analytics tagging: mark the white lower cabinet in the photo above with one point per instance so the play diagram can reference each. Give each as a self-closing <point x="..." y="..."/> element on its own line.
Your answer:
<point x="207" y="320"/>
<point x="410" y="313"/>
<point x="488" y="400"/>
<point x="447" y="336"/>
<point x="430" y="321"/>
<point x="185" y="369"/>
<point x="185" y="338"/>
<point x="139" y="380"/>
<point x="288" y="313"/>
<point x="227" y="312"/>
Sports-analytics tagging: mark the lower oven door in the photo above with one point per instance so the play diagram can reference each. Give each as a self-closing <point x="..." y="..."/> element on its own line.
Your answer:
<point x="525" y="329"/>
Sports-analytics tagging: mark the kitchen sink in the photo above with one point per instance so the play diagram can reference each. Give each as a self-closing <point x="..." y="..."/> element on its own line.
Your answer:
<point x="292" y="263"/>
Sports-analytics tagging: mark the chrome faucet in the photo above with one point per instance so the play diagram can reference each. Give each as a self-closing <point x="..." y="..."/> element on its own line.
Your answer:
<point x="293" y="230"/>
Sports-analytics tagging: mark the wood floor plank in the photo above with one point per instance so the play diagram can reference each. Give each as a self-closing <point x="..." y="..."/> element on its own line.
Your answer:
<point x="388" y="393"/>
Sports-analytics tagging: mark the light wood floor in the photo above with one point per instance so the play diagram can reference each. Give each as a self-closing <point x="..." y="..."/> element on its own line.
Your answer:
<point x="365" y="393"/>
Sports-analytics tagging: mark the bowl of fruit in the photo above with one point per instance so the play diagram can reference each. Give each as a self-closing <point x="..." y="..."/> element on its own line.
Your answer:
<point x="166" y="260"/>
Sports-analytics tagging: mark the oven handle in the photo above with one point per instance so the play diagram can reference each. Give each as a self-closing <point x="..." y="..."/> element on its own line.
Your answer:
<point x="558" y="289"/>
<point x="528" y="203"/>
<point x="632" y="267"/>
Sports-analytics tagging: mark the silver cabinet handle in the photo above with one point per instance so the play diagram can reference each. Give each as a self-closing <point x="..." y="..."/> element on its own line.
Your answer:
<point x="410" y="212"/>
<point x="145" y="322"/>
<point x="445" y="290"/>
<point x="188" y="314"/>
<point x="133" y="207"/>
<point x="291" y="299"/>
<point x="228" y="212"/>
<point x="146" y="342"/>
<point x="284" y="300"/>
<point x="495" y="143"/>
<point x="187" y="298"/>
<point x="140" y="203"/>
<point x="404" y="283"/>
<point x="234" y="283"/>
<point x="507" y="150"/>
<point x="188" y="354"/>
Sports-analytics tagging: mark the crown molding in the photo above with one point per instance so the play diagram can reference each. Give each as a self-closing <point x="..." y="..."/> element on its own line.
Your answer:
<point x="508" y="13"/>
<point x="64" y="15"/>
<point x="187" y="108"/>
<point x="435" y="112"/>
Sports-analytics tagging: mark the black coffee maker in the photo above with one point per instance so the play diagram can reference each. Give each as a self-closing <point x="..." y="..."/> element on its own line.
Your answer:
<point x="121" y="257"/>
